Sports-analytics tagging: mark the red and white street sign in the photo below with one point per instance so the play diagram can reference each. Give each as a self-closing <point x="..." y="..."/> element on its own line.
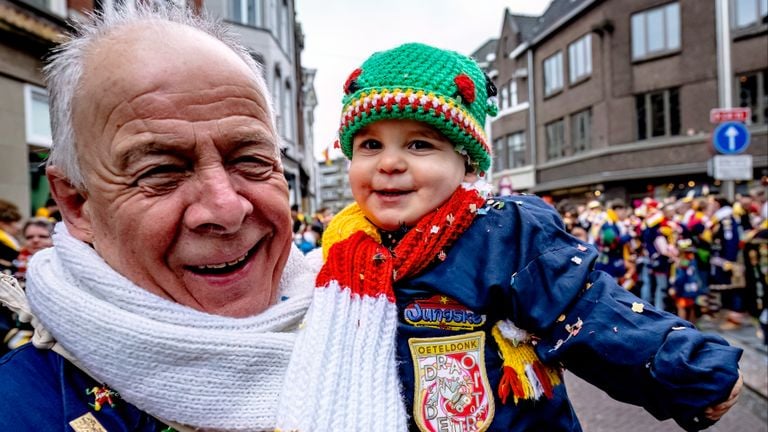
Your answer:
<point x="720" y="115"/>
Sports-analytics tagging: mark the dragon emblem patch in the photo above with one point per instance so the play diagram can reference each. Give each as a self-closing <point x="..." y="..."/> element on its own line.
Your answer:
<point x="451" y="390"/>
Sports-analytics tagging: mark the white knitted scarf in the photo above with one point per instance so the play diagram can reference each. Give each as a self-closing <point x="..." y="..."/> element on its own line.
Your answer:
<point x="176" y="363"/>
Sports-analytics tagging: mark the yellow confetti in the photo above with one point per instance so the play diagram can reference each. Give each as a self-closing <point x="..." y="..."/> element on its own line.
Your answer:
<point x="637" y="307"/>
<point x="561" y="318"/>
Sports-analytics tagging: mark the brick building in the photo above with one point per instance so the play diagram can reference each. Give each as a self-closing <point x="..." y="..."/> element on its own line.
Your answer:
<point x="30" y="28"/>
<point x="612" y="97"/>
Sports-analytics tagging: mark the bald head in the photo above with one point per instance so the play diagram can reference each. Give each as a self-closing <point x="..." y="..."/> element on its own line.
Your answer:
<point x="151" y="81"/>
<point x="87" y="51"/>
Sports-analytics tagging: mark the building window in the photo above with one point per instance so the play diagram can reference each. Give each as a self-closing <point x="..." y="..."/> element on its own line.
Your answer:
<point x="516" y="150"/>
<point x="504" y="98"/>
<point x="277" y="86"/>
<point x="247" y="12"/>
<point x="288" y="111"/>
<point x="656" y="31"/>
<point x="513" y="92"/>
<point x="580" y="59"/>
<point x="498" y="150"/>
<point x="553" y="74"/>
<point x="747" y="13"/>
<point x="284" y="37"/>
<point x="36" y="116"/>
<point x="555" y="139"/>
<point x="658" y="113"/>
<point x="753" y="93"/>
<point x="581" y="130"/>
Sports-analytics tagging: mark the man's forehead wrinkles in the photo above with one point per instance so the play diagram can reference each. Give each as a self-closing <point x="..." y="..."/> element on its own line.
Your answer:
<point x="127" y="104"/>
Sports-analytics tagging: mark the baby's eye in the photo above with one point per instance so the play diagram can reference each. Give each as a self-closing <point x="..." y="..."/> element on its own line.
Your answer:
<point x="420" y="145"/>
<point x="370" y="144"/>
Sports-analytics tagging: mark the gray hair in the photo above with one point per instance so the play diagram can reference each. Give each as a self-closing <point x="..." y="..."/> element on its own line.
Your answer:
<point x="64" y="71"/>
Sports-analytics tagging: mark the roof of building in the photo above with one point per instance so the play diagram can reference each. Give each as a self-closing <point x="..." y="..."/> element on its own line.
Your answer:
<point x="555" y="13"/>
<point x="526" y="24"/>
<point x="489" y="47"/>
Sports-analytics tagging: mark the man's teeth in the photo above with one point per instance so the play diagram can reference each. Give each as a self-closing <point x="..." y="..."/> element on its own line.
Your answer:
<point x="222" y="265"/>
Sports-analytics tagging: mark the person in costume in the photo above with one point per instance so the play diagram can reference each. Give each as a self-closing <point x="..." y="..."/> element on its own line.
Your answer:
<point x="657" y="237"/>
<point x="172" y="293"/>
<point x="726" y="234"/>
<point x="37" y="236"/>
<point x="10" y="226"/>
<point x="476" y="302"/>
<point x="686" y="284"/>
<point x="612" y="241"/>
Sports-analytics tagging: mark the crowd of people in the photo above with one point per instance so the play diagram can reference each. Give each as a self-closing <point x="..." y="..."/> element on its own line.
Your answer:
<point x="308" y="231"/>
<point x="691" y="255"/>
<point x="19" y="240"/>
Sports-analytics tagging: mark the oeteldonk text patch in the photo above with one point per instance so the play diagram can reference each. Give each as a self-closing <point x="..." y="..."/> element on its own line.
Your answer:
<point x="451" y="390"/>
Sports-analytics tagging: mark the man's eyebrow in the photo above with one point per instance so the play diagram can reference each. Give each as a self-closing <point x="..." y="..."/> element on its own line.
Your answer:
<point x="252" y="138"/>
<point x="129" y="156"/>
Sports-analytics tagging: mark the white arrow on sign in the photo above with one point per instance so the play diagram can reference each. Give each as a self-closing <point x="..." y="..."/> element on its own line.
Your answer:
<point x="731" y="133"/>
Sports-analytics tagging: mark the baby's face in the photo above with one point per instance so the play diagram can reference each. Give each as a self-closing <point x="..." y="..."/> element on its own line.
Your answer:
<point x="403" y="169"/>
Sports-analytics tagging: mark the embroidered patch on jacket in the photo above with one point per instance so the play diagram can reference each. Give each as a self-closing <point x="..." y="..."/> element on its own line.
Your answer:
<point x="442" y="312"/>
<point x="87" y="423"/>
<point x="451" y="389"/>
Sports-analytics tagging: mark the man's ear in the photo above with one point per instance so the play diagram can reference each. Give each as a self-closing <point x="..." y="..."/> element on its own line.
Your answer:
<point x="72" y="204"/>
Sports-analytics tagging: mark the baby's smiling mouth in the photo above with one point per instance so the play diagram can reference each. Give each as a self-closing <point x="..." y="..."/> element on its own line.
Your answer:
<point x="392" y="192"/>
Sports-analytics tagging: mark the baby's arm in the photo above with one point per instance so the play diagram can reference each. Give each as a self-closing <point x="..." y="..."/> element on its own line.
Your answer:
<point x="606" y="335"/>
<point x="644" y="356"/>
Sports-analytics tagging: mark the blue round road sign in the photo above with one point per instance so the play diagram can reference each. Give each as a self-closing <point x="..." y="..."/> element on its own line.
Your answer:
<point x="731" y="138"/>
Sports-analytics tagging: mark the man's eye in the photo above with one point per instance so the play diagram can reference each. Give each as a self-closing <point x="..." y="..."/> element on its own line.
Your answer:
<point x="251" y="166"/>
<point x="162" y="171"/>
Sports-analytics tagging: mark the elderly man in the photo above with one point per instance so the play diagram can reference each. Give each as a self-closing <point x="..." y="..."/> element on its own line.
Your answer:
<point x="173" y="292"/>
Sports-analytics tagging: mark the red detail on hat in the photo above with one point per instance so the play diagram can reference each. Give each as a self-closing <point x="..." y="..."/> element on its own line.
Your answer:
<point x="466" y="87"/>
<point x="351" y="80"/>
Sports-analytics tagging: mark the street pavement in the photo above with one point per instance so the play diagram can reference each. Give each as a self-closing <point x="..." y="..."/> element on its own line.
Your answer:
<point x="599" y="413"/>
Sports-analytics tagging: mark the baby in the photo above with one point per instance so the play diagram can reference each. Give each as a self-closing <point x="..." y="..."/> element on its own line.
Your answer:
<point x="474" y="304"/>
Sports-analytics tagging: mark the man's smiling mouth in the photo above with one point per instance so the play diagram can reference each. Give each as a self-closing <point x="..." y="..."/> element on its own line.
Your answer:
<point x="223" y="268"/>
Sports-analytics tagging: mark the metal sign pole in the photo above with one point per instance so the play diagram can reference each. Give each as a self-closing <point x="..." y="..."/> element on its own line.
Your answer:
<point x="725" y="72"/>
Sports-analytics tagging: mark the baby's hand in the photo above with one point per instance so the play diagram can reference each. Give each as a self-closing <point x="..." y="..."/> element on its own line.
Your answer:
<point x="715" y="412"/>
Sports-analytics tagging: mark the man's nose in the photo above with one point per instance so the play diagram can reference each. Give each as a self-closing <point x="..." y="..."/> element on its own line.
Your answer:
<point x="220" y="208"/>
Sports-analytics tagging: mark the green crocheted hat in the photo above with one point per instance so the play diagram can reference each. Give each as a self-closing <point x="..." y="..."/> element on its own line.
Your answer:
<point x="442" y="88"/>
